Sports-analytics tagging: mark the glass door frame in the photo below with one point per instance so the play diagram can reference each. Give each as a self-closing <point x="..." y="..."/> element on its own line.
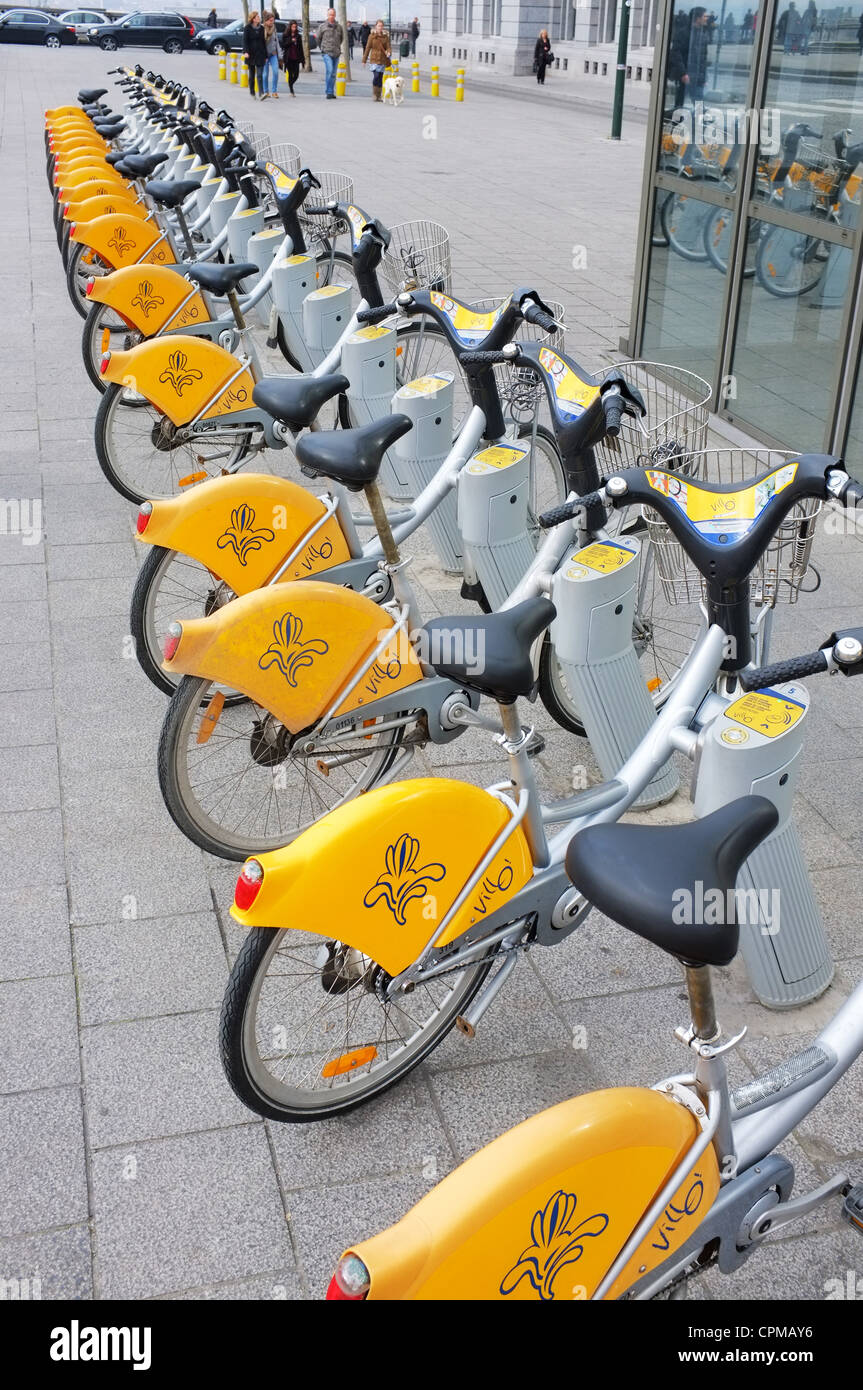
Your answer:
<point x="743" y="206"/>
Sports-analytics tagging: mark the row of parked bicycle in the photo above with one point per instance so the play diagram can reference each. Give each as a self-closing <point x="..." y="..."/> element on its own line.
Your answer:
<point x="620" y="569"/>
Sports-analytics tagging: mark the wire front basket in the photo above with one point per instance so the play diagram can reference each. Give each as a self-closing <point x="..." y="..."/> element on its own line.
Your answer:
<point x="258" y="140"/>
<point x="417" y="258"/>
<point x="284" y="156"/>
<point x="780" y="571"/>
<point x="335" y="188"/>
<point x="677" y="403"/>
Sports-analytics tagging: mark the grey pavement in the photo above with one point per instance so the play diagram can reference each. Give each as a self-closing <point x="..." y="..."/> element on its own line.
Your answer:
<point x="128" y="1167"/>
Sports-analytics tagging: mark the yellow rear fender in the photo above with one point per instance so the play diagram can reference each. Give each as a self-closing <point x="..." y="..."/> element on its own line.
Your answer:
<point x="57" y="113"/>
<point x="91" y="185"/>
<point x="150" y="296"/>
<point x="75" y="144"/>
<point x="389" y="866"/>
<point x="243" y="526"/>
<point x="67" y="164"/>
<point x="177" y="375"/>
<point x="292" y="648"/>
<point x="119" y="238"/>
<point x="542" y="1212"/>
<point x="101" y="204"/>
<point x="68" y="178"/>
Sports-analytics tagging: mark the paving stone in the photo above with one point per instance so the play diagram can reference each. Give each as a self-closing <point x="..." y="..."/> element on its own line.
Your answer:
<point x="41" y="1025"/>
<point x="29" y="779"/>
<point x="25" y="666"/>
<point x="200" y="1209"/>
<point x="27" y="718"/>
<point x="48" y="1265"/>
<point x="42" y="1161"/>
<point x="159" y="1076"/>
<point x="139" y="969"/>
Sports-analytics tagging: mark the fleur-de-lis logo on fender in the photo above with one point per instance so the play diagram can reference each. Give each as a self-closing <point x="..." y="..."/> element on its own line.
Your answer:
<point x="179" y="373"/>
<point x="121" y="241"/>
<point x="400" y="882"/>
<point x="555" y="1242"/>
<point x="241" y="535"/>
<point x="288" y="652"/>
<point x="146" y="299"/>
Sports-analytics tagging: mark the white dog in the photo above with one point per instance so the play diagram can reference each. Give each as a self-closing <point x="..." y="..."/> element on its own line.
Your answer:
<point x="394" y="90"/>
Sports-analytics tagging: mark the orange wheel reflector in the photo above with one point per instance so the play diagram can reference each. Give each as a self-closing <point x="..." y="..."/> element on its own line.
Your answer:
<point x="399" y="350"/>
<point x="88" y="257"/>
<point x="772" y="269"/>
<point x="211" y="718"/>
<point x="349" y="1061"/>
<point x="654" y="683"/>
<point x="106" y="339"/>
<point x="192" y="478"/>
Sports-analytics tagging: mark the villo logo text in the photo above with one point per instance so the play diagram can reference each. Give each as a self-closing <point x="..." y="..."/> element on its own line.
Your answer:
<point x="77" y="1343"/>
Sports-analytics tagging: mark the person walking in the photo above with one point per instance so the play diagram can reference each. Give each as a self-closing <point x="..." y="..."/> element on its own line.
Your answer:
<point x="542" y="56"/>
<point x="377" y="52"/>
<point x="415" y="33"/>
<point x="255" y="49"/>
<point x="212" y="21"/>
<point x="271" y="62"/>
<point x="292" y="54"/>
<point x="365" y="30"/>
<point x="330" y="44"/>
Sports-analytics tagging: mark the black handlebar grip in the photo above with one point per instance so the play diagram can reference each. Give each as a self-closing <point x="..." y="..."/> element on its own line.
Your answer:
<point x="483" y="359"/>
<point x="853" y="494"/>
<point x="794" y="669"/>
<point x="376" y="315"/>
<point x="567" y="510"/>
<point x="613" y="415"/>
<point x="317" y="210"/>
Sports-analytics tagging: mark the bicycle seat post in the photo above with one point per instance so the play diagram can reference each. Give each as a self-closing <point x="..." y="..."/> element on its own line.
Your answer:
<point x="233" y="300"/>
<point x="185" y="233"/>
<point x="699" y="987"/>
<point x="382" y="524"/>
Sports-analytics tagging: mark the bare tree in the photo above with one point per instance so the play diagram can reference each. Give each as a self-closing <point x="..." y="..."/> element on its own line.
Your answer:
<point x="342" y="15"/>
<point x="307" y="47"/>
<point x="245" y="11"/>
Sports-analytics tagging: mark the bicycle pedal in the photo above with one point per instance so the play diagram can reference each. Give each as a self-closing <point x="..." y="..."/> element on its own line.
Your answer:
<point x="272" y="343"/>
<point x="535" y="745"/>
<point x="852" y="1207"/>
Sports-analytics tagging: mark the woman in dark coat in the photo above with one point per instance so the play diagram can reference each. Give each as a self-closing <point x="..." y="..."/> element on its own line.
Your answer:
<point x="542" y="56"/>
<point x="292" y="53"/>
<point x="255" y="49"/>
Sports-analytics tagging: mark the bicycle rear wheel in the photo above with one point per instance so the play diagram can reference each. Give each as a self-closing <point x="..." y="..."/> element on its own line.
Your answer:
<point x="789" y="264"/>
<point x="144" y="456"/>
<point x="306" y="1032"/>
<point x="239" y="782"/>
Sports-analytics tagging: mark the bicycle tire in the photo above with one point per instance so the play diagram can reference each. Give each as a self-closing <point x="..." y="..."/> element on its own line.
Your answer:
<point x="192" y="818"/>
<point x="671" y="206"/>
<point x="236" y="1038"/>
<point x="765" y="274"/>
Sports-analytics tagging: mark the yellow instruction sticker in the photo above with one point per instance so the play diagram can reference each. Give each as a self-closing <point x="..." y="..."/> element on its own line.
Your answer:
<point x="424" y="386"/>
<point x="371" y="332"/>
<point x="765" y="711"/>
<point x="603" y="556"/>
<point x="499" y="456"/>
<point x="327" y="290"/>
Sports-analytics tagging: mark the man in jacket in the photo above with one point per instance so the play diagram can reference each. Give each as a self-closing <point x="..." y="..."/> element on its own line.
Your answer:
<point x="415" y="33"/>
<point x="330" y="44"/>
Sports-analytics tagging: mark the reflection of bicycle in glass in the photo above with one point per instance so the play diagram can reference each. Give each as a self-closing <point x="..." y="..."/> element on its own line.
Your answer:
<point x="791" y="263"/>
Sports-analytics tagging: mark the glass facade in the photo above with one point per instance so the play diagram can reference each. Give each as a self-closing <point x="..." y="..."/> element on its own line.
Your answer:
<point x="750" y="246"/>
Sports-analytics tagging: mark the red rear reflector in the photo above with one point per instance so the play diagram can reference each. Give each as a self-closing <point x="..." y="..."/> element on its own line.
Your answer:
<point x="172" y="640"/>
<point x="351" y="1281"/>
<point x="248" y="884"/>
<point x="103" y="365"/>
<point x="144" y="517"/>
<point x="90" y="283"/>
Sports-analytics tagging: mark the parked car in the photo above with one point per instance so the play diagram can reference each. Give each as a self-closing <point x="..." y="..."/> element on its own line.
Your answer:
<point x="226" y="39"/>
<point x="165" y="29"/>
<point x="229" y="39"/>
<point x="32" y="26"/>
<point x="82" y="21"/>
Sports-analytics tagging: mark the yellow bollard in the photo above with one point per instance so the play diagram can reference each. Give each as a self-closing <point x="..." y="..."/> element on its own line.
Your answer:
<point x="222" y="67"/>
<point x="415" y="84"/>
<point x="341" y="78"/>
<point x="435" y="90"/>
<point x="244" y="72"/>
<point x="234" y="68"/>
<point x="459" y="85"/>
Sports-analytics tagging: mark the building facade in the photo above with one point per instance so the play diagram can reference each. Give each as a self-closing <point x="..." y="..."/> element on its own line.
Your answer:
<point x="497" y="37"/>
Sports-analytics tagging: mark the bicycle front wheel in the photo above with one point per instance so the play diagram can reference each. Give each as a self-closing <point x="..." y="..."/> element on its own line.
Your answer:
<point x="83" y="265"/>
<point x="682" y="221"/>
<point x="237" y="782"/>
<point x="144" y="456"/>
<point x="307" y="1033"/>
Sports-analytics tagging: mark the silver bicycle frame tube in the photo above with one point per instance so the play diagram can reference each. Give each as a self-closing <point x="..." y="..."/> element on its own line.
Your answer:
<point x="442" y="483"/>
<point x="758" y="1134"/>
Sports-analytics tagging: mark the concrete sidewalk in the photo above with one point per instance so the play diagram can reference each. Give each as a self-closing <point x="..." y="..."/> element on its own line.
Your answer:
<point x="129" y="1169"/>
